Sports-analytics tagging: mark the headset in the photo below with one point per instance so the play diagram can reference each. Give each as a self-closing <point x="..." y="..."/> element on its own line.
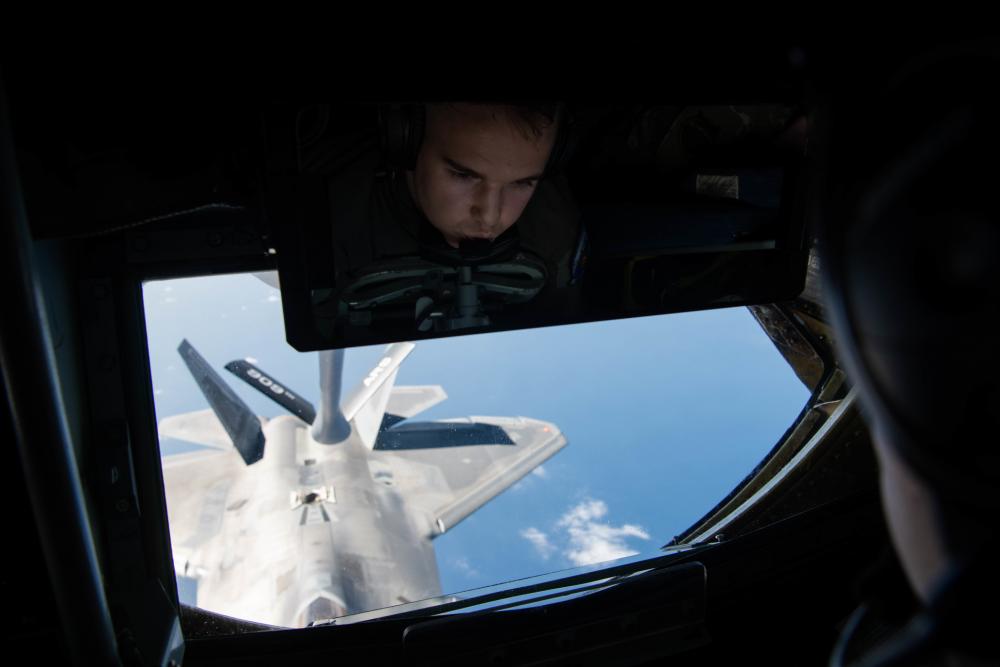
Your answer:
<point x="909" y="240"/>
<point x="401" y="131"/>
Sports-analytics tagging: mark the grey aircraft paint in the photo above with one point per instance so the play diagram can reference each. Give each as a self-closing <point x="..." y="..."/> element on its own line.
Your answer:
<point x="338" y="516"/>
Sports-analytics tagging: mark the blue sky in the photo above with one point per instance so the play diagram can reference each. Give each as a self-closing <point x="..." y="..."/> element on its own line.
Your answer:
<point x="664" y="415"/>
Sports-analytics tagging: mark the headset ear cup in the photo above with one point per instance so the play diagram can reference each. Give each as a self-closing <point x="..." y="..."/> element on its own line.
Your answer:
<point x="417" y="119"/>
<point x="389" y="123"/>
<point x="562" y="147"/>
<point x="401" y="129"/>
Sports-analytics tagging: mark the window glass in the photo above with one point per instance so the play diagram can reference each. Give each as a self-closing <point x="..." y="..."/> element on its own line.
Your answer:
<point x="662" y="417"/>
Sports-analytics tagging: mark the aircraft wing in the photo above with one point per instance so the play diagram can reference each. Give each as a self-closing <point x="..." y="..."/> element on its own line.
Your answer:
<point x="197" y="485"/>
<point x="449" y="469"/>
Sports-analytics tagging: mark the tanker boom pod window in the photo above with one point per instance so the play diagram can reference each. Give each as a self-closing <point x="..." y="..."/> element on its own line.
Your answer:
<point x="405" y="474"/>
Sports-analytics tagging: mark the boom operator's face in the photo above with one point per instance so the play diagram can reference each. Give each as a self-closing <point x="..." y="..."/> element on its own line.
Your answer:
<point x="477" y="168"/>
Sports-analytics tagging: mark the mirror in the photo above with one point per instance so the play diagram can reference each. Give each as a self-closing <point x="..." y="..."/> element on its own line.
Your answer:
<point x="419" y="220"/>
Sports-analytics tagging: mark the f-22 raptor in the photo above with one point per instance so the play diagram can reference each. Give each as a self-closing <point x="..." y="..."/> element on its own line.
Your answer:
<point x="323" y="513"/>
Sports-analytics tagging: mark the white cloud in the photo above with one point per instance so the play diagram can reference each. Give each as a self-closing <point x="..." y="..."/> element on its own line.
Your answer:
<point x="157" y="392"/>
<point x="168" y="288"/>
<point x="521" y="485"/>
<point x="252" y="360"/>
<point x="540" y="541"/>
<point x="527" y="482"/>
<point x="170" y="299"/>
<point x="594" y="541"/>
<point x="463" y="566"/>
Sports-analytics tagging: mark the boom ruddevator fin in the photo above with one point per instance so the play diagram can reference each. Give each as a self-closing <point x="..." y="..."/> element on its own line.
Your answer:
<point x="241" y="424"/>
<point x="276" y="391"/>
<point x="365" y="407"/>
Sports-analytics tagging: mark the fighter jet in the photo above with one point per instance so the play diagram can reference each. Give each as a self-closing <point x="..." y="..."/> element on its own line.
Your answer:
<point x="321" y="513"/>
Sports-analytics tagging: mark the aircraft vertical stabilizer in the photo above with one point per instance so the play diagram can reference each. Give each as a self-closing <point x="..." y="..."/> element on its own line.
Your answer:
<point x="239" y="421"/>
<point x="278" y="392"/>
